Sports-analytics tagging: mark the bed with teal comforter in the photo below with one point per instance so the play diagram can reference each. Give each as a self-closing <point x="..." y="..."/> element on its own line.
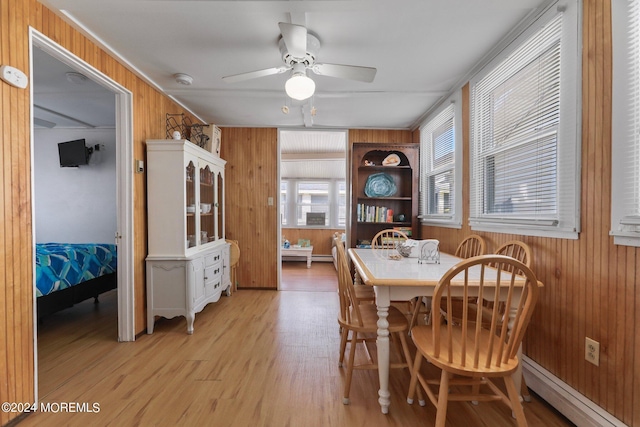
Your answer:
<point x="68" y="273"/>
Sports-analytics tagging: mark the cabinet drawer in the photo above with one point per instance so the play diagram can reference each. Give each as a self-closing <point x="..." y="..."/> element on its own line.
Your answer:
<point x="213" y="258"/>
<point x="212" y="272"/>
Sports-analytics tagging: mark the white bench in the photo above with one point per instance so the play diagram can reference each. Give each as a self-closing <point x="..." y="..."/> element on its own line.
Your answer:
<point x="298" y="251"/>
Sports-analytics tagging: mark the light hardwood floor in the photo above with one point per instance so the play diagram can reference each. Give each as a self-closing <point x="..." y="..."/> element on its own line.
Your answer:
<point x="321" y="277"/>
<point x="257" y="358"/>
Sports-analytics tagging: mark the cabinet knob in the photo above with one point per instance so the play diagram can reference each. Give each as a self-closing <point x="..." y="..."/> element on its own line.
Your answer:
<point x="206" y="278"/>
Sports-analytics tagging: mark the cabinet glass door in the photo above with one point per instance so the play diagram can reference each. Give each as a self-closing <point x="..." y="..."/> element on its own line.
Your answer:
<point x="190" y="200"/>
<point x="207" y="200"/>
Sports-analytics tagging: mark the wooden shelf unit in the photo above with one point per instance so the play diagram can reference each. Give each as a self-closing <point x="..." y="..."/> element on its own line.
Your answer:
<point x="404" y="201"/>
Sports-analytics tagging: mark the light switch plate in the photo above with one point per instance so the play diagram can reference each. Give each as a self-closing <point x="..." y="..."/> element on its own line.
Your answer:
<point x="13" y="76"/>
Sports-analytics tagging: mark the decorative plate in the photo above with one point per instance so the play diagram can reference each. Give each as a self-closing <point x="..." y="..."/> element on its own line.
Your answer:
<point x="380" y="185"/>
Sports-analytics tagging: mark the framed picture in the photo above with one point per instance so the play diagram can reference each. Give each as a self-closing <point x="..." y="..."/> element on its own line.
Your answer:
<point x="315" y="218"/>
<point x="213" y="143"/>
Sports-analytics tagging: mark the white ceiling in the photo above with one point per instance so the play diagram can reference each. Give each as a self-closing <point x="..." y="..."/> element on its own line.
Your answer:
<point x="312" y="154"/>
<point x="422" y="49"/>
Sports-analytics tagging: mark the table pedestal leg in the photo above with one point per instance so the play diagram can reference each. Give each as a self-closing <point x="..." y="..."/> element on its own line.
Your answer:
<point x="382" y="343"/>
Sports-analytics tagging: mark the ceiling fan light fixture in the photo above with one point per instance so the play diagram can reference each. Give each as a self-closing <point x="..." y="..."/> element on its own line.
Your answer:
<point x="299" y="86"/>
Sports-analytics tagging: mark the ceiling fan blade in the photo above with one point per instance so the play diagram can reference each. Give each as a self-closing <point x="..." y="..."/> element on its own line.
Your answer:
<point x="295" y="39"/>
<point x="351" y="72"/>
<point x="255" y="74"/>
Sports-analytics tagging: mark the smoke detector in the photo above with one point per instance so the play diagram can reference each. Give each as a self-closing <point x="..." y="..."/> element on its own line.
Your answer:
<point x="76" y="78"/>
<point x="183" y="79"/>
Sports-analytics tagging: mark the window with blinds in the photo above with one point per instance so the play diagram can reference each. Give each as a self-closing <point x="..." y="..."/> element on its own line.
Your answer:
<point x="518" y="169"/>
<point x="438" y="175"/>
<point x="299" y="197"/>
<point x="625" y="191"/>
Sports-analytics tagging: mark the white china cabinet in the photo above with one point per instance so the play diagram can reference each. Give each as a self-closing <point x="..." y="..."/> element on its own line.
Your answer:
<point x="188" y="259"/>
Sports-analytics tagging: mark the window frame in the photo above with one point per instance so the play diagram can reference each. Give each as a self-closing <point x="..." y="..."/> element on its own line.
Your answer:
<point x="454" y="219"/>
<point x="292" y="204"/>
<point x="567" y="223"/>
<point x="623" y="229"/>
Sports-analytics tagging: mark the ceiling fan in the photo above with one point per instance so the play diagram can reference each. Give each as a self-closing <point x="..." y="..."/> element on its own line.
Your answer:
<point x="299" y="49"/>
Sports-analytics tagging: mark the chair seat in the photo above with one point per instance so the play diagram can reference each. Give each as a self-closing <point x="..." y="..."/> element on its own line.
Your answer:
<point x="365" y="293"/>
<point x="369" y="314"/>
<point x="423" y="338"/>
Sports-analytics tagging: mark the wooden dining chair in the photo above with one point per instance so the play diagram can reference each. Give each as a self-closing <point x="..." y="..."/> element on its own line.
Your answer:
<point x="469" y="355"/>
<point x="388" y="239"/>
<point x="522" y="252"/>
<point x="472" y="245"/>
<point x="514" y="249"/>
<point x="364" y="294"/>
<point x="361" y="320"/>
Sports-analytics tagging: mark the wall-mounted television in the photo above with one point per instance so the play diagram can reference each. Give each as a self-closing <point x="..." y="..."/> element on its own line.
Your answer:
<point x="74" y="153"/>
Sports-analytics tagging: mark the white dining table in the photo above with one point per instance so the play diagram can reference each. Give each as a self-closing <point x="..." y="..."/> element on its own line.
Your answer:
<point x="399" y="279"/>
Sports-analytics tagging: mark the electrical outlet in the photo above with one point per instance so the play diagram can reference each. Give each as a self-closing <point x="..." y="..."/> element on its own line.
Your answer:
<point x="592" y="351"/>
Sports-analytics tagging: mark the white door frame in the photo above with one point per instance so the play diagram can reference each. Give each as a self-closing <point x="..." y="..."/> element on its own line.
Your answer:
<point x="124" y="185"/>
<point x="279" y="178"/>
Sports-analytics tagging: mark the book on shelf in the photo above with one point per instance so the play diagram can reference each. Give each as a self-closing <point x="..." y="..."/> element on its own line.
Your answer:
<point x="405" y="230"/>
<point x="369" y="213"/>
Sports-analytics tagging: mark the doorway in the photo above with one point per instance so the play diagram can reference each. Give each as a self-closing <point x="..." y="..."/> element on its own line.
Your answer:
<point x="313" y="179"/>
<point x="123" y="135"/>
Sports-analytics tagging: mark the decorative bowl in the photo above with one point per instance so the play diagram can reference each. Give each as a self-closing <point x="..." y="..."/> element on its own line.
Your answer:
<point x="391" y="160"/>
<point x="380" y="185"/>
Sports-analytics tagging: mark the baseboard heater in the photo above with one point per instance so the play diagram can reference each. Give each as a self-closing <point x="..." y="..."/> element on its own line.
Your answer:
<point x="569" y="402"/>
<point x="314" y="258"/>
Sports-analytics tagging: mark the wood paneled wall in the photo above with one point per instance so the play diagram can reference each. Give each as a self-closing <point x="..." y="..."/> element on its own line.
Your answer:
<point x="591" y="285"/>
<point x="16" y="262"/>
<point x="321" y="239"/>
<point x="379" y="135"/>
<point x="251" y="178"/>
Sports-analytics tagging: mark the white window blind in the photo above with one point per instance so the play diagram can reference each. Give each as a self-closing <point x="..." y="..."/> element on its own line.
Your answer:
<point x="632" y="164"/>
<point x="625" y="194"/>
<point x="518" y="168"/>
<point x="439" y="200"/>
